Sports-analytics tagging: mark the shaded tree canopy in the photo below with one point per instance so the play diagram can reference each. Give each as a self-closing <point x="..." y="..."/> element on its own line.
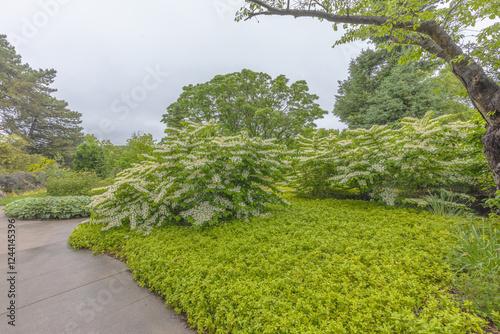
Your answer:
<point x="28" y="109"/>
<point x="248" y="101"/>
<point x="435" y="27"/>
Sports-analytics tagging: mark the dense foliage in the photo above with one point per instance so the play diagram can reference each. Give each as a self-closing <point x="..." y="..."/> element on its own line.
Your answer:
<point x="28" y="109"/>
<point x="248" y="101"/>
<point x="198" y="177"/>
<point x="137" y="146"/>
<point x="394" y="165"/>
<point x="89" y="156"/>
<point x="72" y="183"/>
<point x="49" y="207"/>
<point x="318" y="266"/>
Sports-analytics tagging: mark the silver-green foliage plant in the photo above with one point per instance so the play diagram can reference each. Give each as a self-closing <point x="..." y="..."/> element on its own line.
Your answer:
<point x="197" y="177"/>
<point x="396" y="164"/>
<point x="50" y="207"/>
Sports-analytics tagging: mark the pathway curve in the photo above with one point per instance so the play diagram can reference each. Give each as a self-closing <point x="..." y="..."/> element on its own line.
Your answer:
<point x="61" y="290"/>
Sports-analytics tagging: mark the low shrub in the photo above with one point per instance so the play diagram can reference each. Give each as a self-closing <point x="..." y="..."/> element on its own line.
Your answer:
<point x="21" y="182"/>
<point x="199" y="177"/>
<point x="74" y="183"/>
<point x="316" y="266"/>
<point x="49" y="207"/>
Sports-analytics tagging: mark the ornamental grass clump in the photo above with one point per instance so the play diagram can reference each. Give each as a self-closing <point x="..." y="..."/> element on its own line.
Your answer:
<point x="198" y="177"/>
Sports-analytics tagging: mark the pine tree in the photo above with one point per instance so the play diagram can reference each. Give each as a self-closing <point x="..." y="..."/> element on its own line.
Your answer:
<point x="28" y="109"/>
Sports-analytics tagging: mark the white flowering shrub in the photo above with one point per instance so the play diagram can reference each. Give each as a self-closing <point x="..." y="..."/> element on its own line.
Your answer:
<point x="313" y="166"/>
<point x="399" y="164"/>
<point x="197" y="178"/>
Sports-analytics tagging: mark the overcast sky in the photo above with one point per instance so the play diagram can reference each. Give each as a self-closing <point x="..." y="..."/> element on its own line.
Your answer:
<point x="122" y="62"/>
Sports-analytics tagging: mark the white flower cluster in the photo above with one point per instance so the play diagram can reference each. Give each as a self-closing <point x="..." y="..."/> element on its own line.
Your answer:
<point x="236" y="159"/>
<point x="378" y="167"/>
<point x="201" y="213"/>
<point x="236" y="189"/>
<point x="389" y="196"/>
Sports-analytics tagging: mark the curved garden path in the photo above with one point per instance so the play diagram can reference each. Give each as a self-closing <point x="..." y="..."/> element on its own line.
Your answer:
<point x="61" y="290"/>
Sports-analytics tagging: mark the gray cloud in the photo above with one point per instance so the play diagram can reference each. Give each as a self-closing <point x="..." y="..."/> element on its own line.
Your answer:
<point x="105" y="51"/>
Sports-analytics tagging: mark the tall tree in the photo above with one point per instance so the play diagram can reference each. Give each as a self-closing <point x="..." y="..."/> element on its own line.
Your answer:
<point x="28" y="109"/>
<point x="432" y="26"/>
<point x="248" y="101"/>
<point x="380" y="91"/>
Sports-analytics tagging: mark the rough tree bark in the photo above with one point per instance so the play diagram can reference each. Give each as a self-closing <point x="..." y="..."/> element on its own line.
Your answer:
<point x="482" y="90"/>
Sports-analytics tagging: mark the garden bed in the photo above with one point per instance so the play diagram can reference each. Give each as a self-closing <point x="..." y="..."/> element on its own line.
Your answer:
<point x="317" y="266"/>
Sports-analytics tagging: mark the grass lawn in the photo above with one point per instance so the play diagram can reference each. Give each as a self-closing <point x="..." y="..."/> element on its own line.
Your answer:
<point x="11" y="199"/>
<point x="316" y="266"/>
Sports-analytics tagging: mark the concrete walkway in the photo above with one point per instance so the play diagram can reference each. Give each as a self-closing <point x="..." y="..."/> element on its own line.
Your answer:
<point x="61" y="290"/>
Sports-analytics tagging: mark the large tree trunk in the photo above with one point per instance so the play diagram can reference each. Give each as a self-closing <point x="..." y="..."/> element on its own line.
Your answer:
<point x="491" y="146"/>
<point x="485" y="96"/>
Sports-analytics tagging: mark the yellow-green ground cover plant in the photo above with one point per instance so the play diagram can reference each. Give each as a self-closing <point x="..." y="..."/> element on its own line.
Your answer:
<point x="316" y="266"/>
<point x="197" y="177"/>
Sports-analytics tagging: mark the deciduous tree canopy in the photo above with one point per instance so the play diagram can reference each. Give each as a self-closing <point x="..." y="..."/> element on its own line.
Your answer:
<point x="248" y="101"/>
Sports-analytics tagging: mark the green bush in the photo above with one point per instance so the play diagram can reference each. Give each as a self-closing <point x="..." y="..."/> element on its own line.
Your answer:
<point x="49" y="207"/>
<point x="197" y="178"/>
<point x="74" y="183"/>
<point x="316" y="266"/>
